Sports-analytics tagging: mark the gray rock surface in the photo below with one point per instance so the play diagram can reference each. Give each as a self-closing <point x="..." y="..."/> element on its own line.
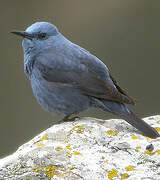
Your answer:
<point x="88" y="149"/>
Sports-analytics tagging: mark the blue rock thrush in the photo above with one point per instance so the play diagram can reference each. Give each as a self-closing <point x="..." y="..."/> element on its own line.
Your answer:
<point x="67" y="79"/>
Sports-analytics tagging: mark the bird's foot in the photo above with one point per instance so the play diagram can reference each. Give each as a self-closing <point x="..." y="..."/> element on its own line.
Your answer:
<point x="67" y="119"/>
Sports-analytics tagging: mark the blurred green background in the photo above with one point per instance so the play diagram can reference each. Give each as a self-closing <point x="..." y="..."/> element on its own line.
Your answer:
<point x="124" y="34"/>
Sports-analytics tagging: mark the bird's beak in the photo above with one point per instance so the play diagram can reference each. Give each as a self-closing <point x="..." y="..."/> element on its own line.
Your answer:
<point x="24" y="34"/>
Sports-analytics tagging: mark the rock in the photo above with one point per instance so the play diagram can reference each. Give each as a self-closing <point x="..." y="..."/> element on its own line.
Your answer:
<point x="88" y="149"/>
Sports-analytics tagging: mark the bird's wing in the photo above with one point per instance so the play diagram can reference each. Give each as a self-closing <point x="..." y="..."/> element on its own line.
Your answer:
<point x="122" y="91"/>
<point x="84" y="79"/>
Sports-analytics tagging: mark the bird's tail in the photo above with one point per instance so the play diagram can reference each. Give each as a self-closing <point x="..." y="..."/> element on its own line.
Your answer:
<point x="125" y="113"/>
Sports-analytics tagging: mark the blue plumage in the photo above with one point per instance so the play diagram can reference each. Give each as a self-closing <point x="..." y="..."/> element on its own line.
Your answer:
<point x="67" y="79"/>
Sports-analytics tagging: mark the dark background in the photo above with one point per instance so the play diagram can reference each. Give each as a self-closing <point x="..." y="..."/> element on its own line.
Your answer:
<point x="125" y="34"/>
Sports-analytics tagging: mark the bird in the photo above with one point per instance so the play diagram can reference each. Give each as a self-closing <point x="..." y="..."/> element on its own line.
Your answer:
<point x="67" y="79"/>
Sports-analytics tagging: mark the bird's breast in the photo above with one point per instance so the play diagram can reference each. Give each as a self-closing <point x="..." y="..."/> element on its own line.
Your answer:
<point x="57" y="97"/>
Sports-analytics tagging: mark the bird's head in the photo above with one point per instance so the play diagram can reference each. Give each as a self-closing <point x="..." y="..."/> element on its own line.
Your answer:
<point x="38" y="36"/>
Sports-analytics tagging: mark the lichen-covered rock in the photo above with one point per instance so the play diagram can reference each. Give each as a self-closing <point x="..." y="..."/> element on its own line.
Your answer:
<point x="88" y="149"/>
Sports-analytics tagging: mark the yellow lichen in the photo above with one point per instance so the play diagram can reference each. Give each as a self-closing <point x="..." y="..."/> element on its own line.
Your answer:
<point x="106" y="161"/>
<point x="149" y="153"/>
<point x="111" y="133"/>
<point x="148" y="138"/>
<point x="72" y="167"/>
<point x="60" y="140"/>
<point x="134" y="137"/>
<point x="59" y="149"/>
<point x="157" y="129"/>
<point x="158" y="152"/>
<point x="50" y="171"/>
<point x="158" y="121"/>
<point x="27" y="178"/>
<point x="103" y="157"/>
<point x="137" y="148"/>
<point x="69" y="134"/>
<point x="79" y="129"/>
<point x="66" y="141"/>
<point x="124" y="176"/>
<point x="36" y="142"/>
<point x="69" y="155"/>
<point x="112" y="174"/>
<point x="77" y="153"/>
<point x="41" y="145"/>
<point x="130" y="168"/>
<point x="44" y="138"/>
<point x="68" y="147"/>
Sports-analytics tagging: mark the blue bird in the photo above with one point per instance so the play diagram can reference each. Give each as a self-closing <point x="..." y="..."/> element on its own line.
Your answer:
<point x="67" y="79"/>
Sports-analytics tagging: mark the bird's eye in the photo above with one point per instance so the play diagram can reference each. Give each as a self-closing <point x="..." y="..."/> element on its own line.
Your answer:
<point x="42" y="36"/>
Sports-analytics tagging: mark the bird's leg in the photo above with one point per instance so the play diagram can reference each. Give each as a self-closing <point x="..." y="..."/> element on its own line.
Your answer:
<point x="67" y="119"/>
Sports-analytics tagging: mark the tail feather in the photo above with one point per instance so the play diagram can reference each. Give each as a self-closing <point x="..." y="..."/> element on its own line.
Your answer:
<point x="141" y="125"/>
<point x="125" y="113"/>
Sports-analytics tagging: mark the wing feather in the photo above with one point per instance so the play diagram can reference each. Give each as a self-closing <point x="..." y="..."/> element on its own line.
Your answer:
<point x="87" y="81"/>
